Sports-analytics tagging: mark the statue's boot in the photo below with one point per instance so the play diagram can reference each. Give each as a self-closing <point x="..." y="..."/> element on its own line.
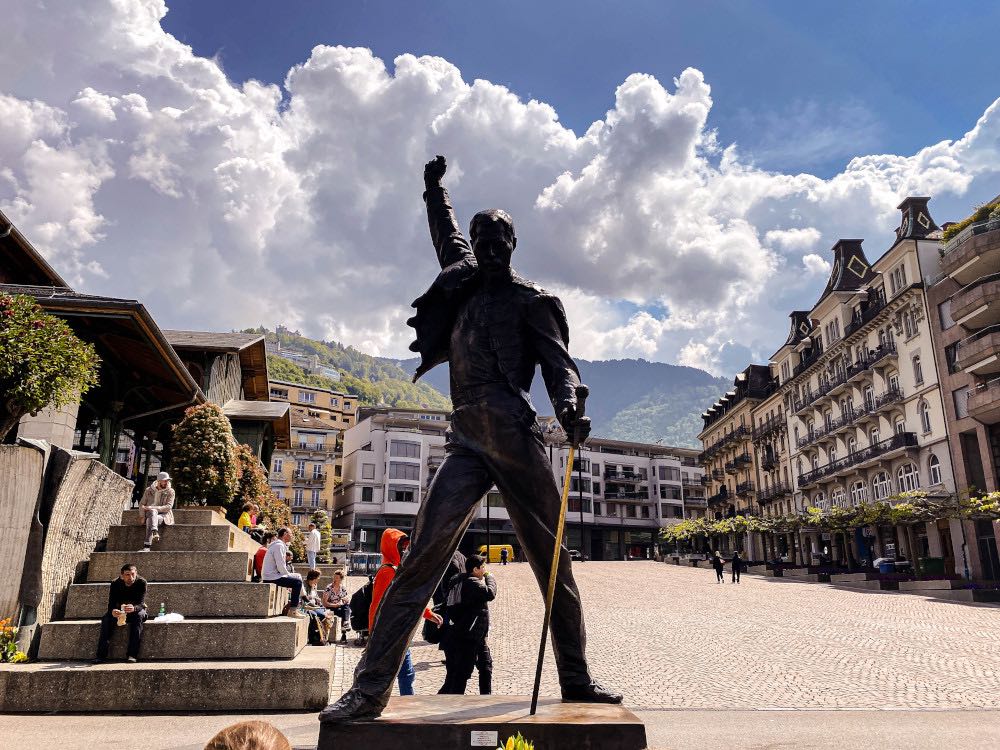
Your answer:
<point x="353" y="706"/>
<point x="592" y="693"/>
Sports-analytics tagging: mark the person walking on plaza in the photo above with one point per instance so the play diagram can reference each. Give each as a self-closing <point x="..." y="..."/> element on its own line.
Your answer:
<point x="737" y="564"/>
<point x="393" y="545"/>
<point x="465" y="643"/>
<point x="313" y="542"/>
<point x="503" y="555"/>
<point x="157" y="508"/>
<point x="719" y="566"/>
<point x="335" y="599"/>
<point x="275" y="570"/>
<point x="126" y="600"/>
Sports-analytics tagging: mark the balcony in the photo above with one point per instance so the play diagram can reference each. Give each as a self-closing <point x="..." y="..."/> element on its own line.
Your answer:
<point x="973" y="252"/>
<point x="814" y="354"/>
<point x="770" y="463"/>
<point x="744" y="488"/>
<point x="722" y="497"/>
<point x="880" y="450"/>
<point x="718" y="475"/>
<point x="624" y="496"/>
<point x="691" y="481"/>
<point x="769" y="427"/>
<point x="977" y="305"/>
<point x="696" y="502"/>
<point x="890" y="397"/>
<point x="984" y="402"/>
<point x="773" y="492"/>
<point x="867" y="315"/>
<point x="705" y="480"/>
<point x="978" y="354"/>
<point x="744" y="459"/>
<point x="731" y="467"/>
<point x="625" y="476"/>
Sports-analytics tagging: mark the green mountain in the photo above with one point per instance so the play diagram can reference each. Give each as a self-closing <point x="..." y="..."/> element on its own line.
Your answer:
<point x="375" y="381"/>
<point x="630" y="399"/>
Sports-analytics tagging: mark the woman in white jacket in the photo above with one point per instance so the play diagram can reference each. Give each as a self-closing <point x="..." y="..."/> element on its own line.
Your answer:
<point x="157" y="508"/>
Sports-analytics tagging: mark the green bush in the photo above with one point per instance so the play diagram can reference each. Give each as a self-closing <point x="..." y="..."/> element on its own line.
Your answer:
<point x="322" y="521"/>
<point x="42" y="363"/>
<point x="204" y="462"/>
<point x="981" y="214"/>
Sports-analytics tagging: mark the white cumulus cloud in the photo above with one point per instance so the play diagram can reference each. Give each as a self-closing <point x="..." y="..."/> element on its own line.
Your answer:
<point x="140" y="169"/>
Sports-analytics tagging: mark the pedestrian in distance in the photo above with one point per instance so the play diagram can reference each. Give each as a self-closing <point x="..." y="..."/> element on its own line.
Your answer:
<point x="126" y="606"/>
<point x="464" y="640"/>
<point x="313" y="543"/>
<point x="157" y="508"/>
<point x="737" y="563"/>
<point x="719" y="566"/>
<point x="503" y="555"/>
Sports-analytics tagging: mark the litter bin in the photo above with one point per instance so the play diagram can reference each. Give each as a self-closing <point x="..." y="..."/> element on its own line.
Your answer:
<point x="931" y="566"/>
<point x="887" y="566"/>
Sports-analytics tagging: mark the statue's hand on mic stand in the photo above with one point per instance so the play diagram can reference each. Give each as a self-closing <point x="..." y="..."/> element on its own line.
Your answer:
<point x="573" y="419"/>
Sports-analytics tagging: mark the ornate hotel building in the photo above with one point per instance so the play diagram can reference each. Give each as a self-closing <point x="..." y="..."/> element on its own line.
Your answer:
<point x="857" y="387"/>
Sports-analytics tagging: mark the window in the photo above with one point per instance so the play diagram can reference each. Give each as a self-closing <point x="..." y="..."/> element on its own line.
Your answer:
<point x="367" y="471"/>
<point x="950" y="357"/>
<point x="297" y="519"/>
<point x="899" y="426"/>
<point x="297" y="496"/>
<point x="334" y="401"/>
<point x="837" y="497"/>
<point x="399" y="494"/>
<point x="961" y="398"/>
<point x="307" y="398"/>
<point x="597" y="488"/>
<point x="367" y="494"/>
<point x="670" y="474"/>
<point x="944" y="313"/>
<point x="314" y="498"/>
<point x="398" y="470"/>
<point x="869" y="397"/>
<point x="280" y="494"/>
<point x="894" y="381"/>
<point x="404" y="449"/>
<point x="595" y="469"/>
<point x="873" y="436"/>
<point x="644" y="511"/>
<point x="918" y="373"/>
<point x="907" y="478"/>
<point x="785" y="371"/>
<point x="630" y="511"/>
<point x="833" y="454"/>
<point x="597" y="509"/>
<point x="279" y="393"/>
<point x="897" y="279"/>
<point x="908" y="324"/>
<point x="819" y="500"/>
<point x="669" y="493"/>
<point x="278" y="466"/>
<point x="575" y="484"/>
<point x="925" y="416"/>
<point x="881" y="486"/>
<point x="859" y="493"/>
<point x="300" y="469"/>
<point x="852" y="445"/>
<point x="934" y="469"/>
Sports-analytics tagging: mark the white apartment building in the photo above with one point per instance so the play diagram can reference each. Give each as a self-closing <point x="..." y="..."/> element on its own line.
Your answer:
<point x="391" y="455"/>
<point x="859" y="380"/>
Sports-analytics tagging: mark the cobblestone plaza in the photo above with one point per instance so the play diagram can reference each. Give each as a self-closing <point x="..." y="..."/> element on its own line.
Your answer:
<point x="671" y="638"/>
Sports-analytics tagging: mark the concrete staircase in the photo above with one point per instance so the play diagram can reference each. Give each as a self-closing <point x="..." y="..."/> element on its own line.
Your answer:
<point x="234" y="651"/>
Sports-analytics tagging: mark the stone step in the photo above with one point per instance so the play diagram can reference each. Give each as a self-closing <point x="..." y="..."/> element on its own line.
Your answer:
<point x="963" y="595"/>
<point x="933" y="585"/>
<point x="88" y="601"/>
<point x="195" y="516"/>
<point x="299" y="684"/>
<point x="256" y="638"/>
<point x="172" y="566"/>
<point x="183" y="538"/>
<point x="848" y="577"/>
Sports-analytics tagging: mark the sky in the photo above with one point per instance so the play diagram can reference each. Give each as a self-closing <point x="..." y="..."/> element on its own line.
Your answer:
<point x="677" y="172"/>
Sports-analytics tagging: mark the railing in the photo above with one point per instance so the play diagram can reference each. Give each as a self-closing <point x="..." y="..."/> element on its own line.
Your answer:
<point x="627" y="496"/>
<point x="743" y="458"/>
<point x="971" y="230"/>
<point x="900" y="440"/>
<point x="718" y="475"/>
<point x="974" y="338"/>
<point x="773" y="492"/>
<point x="770" y="463"/>
<point x="722" y="497"/>
<point x="714" y="448"/>
<point x="696" y="502"/>
<point x="744" y="488"/>
<point x="814" y="354"/>
<point x="772" y="424"/>
<point x="705" y="480"/>
<point x="978" y="282"/>
<point x="691" y="481"/>
<point x="867" y="315"/>
<point x="731" y="467"/>
<point x="624" y="477"/>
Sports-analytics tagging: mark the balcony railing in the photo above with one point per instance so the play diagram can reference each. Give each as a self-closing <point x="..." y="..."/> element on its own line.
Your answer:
<point x="718" y="475"/>
<point x="875" y="306"/>
<point x="814" y="354"/>
<point x="773" y="492"/>
<point x="744" y="459"/>
<point x="900" y="440"/>
<point x="731" y="467"/>
<point x="770" y="463"/>
<point x="696" y="502"/>
<point x="721" y="497"/>
<point x="984" y="402"/>
<point x="769" y="427"/>
<point x="615" y="476"/>
<point x="744" y="488"/>
<point x="741" y="432"/>
<point x="705" y="480"/>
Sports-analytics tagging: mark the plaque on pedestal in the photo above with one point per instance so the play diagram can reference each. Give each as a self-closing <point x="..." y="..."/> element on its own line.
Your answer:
<point x="458" y="722"/>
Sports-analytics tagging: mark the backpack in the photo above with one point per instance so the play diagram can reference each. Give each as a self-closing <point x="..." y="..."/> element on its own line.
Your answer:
<point x="361" y="602"/>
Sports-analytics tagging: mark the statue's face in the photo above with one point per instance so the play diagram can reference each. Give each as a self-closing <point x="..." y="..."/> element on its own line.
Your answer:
<point x="493" y="242"/>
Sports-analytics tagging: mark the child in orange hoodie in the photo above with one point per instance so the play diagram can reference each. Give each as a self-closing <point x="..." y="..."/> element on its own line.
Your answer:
<point x="393" y="544"/>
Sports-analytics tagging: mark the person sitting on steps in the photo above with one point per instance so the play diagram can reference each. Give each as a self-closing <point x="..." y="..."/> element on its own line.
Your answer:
<point x="126" y="597"/>
<point x="156" y="508"/>
<point x="275" y="570"/>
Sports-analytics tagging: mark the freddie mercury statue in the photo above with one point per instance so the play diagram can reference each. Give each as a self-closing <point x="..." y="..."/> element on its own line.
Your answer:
<point x="493" y="328"/>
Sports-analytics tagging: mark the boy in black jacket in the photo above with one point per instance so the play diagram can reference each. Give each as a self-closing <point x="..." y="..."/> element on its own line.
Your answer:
<point x="464" y="639"/>
<point x="126" y="596"/>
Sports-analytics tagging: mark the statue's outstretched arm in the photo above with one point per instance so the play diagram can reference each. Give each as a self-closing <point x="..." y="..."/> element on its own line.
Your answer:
<point x="449" y="242"/>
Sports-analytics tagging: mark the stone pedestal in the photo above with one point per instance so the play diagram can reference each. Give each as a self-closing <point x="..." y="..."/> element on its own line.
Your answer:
<point x="458" y="721"/>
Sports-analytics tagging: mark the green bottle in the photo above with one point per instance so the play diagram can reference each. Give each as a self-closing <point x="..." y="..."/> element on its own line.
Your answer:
<point x="163" y="609"/>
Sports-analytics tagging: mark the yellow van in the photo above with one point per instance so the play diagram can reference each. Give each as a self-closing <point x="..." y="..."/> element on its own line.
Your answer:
<point x="494" y="556"/>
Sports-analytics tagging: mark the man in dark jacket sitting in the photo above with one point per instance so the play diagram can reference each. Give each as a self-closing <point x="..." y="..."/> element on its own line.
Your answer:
<point x="126" y="601"/>
<point x="464" y="641"/>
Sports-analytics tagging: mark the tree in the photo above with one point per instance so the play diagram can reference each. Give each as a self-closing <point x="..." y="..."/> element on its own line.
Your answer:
<point x="322" y="521"/>
<point x="204" y="463"/>
<point x="252" y="486"/>
<point x="42" y="363"/>
<point x="276" y="514"/>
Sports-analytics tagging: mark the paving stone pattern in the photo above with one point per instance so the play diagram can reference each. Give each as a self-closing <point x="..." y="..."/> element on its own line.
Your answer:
<point x="669" y="637"/>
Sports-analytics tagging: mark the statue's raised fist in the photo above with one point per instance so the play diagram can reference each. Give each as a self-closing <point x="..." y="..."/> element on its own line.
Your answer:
<point x="434" y="170"/>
